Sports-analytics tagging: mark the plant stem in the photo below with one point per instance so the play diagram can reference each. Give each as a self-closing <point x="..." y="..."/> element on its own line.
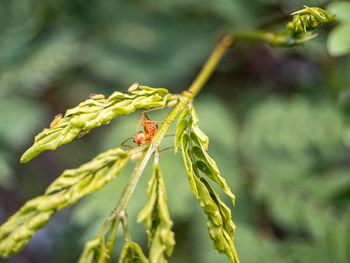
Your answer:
<point x="126" y="228"/>
<point x="210" y="65"/>
<point x="207" y="70"/>
<point x="120" y="210"/>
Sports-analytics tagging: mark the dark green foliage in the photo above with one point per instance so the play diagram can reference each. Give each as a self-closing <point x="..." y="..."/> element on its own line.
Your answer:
<point x="293" y="147"/>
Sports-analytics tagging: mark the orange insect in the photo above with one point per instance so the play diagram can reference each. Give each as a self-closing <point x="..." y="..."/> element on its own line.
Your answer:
<point x="150" y="128"/>
<point x="97" y="96"/>
<point x="56" y="120"/>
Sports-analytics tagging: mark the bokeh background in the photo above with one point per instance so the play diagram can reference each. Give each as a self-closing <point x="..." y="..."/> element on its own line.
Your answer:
<point x="277" y="119"/>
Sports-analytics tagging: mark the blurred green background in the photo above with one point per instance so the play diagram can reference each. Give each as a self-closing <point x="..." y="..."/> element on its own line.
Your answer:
<point x="277" y="119"/>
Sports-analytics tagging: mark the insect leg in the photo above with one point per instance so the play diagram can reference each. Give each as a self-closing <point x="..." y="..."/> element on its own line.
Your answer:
<point x="158" y="108"/>
<point x="167" y="148"/>
<point x="125" y="145"/>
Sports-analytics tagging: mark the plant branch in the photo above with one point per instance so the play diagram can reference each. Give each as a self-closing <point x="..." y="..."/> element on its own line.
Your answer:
<point x="116" y="215"/>
<point x="273" y="38"/>
<point x="120" y="210"/>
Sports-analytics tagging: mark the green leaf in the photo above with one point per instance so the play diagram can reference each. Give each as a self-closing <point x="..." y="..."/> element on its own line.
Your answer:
<point x="132" y="253"/>
<point x="188" y="163"/>
<point x="93" y="113"/>
<point x="201" y="139"/>
<point x="220" y="225"/>
<point x="155" y="216"/>
<point x="338" y="42"/>
<point x="200" y="135"/>
<point x="193" y="144"/>
<point x="341" y="9"/>
<point x="181" y="126"/>
<point x="64" y="191"/>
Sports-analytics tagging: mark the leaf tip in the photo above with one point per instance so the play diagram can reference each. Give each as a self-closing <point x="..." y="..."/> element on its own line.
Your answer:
<point x="24" y="158"/>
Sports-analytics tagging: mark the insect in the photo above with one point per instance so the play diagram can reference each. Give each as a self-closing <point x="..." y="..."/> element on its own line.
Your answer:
<point x="150" y="129"/>
<point x="97" y="96"/>
<point x="57" y="118"/>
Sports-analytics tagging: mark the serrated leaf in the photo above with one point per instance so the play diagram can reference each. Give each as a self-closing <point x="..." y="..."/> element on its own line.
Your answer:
<point x="220" y="225"/>
<point x="199" y="138"/>
<point x="193" y="144"/>
<point x="64" y="191"/>
<point x="202" y="155"/>
<point x="93" y="113"/>
<point x="155" y="216"/>
<point x="132" y="253"/>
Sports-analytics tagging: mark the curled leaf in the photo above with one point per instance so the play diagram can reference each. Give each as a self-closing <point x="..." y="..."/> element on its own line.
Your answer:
<point x="299" y="29"/>
<point x="202" y="137"/>
<point x="93" y="113"/>
<point x="199" y="138"/>
<point x="194" y="144"/>
<point x="308" y="19"/>
<point x="64" y="191"/>
<point x="181" y="126"/>
<point x="188" y="162"/>
<point x="220" y="226"/>
<point x="155" y="216"/>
